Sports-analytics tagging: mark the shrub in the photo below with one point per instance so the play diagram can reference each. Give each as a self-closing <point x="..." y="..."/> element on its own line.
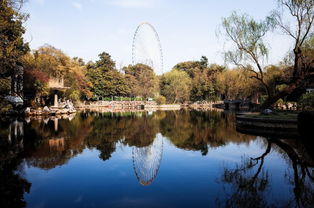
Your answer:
<point x="75" y="95"/>
<point x="5" y="86"/>
<point x="306" y="102"/>
<point x="5" y="106"/>
<point x="161" y="100"/>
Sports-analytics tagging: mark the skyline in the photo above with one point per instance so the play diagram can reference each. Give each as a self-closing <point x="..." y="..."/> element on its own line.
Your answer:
<point x="187" y="30"/>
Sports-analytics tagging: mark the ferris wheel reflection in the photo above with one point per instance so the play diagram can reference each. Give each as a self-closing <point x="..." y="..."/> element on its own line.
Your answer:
<point x="146" y="161"/>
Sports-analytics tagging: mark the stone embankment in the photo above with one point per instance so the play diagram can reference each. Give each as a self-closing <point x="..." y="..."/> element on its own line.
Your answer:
<point x="117" y="104"/>
<point x="236" y="105"/>
<point x="202" y="105"/>
<point x="126" y="105"/>
<point x="282" y="128"/>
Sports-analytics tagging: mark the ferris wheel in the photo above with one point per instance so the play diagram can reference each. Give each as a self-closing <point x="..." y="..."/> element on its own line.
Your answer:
<point x="146" y="48"/>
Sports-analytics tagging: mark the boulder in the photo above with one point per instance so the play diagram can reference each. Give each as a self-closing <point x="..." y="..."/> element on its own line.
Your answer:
<point x="267" y="111"/>
<point x="46" y="109"/>
<point x="27" y="110"/>
<point x="14" y="100"/>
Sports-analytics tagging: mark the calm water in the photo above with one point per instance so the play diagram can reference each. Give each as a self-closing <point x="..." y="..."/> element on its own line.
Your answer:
<point x="160" y="159"/>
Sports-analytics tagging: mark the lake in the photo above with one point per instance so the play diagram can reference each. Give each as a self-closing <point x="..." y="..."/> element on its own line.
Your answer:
<point x="150" y="159"/>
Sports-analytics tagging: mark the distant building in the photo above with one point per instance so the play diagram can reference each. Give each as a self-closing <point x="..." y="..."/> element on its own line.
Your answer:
<point x="57" y="84"/>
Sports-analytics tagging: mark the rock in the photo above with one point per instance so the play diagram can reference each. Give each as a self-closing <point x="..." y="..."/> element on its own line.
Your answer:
<point x="27" y="111"/>
<point x="267" y="111"/>
<point x="46" y="109"/>
<point x="69" y="105"/>
<point x="14" y="100"/>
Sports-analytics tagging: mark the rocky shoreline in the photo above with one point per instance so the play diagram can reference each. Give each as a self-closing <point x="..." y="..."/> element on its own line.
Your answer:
<point x="48" y="111"/>
<point x="106" y="106"/>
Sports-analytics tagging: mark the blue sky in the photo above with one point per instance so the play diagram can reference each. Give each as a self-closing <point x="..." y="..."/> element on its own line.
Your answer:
<point x="187" y="28"/>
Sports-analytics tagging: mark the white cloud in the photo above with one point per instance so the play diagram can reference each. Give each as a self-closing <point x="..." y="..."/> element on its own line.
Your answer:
<point x="133" y="3"/>
<point x="77" y="5"/>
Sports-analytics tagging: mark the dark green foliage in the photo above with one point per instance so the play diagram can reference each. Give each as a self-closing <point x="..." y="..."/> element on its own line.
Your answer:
<point x="106" y="80"/>
<point x="306" y="102"/>
<point x="203" y="75"/>
<point x="12" y="46"/>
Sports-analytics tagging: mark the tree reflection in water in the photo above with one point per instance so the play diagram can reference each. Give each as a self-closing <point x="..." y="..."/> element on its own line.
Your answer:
<point x="249" y="181"/>
<point x="48" y="144"/>
<point x="12" y="184"/>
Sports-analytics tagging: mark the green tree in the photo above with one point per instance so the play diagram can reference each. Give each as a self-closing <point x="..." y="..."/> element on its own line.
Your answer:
<point x="105" y="78"/>
<point x="203" y="78"/>
<point x="300" y="67"/>
<point x="248" y="38"/>
<point x="12" y="45"/>
<point x="78" y="81"/>
<point x="176" y="86"/>
<point x="142" y="80"/>
<point x="248" y="35"/>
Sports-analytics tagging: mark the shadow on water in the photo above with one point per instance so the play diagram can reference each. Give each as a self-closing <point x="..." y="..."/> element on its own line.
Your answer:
<point x="249" y="181"/>
<point x="51" y="142"/>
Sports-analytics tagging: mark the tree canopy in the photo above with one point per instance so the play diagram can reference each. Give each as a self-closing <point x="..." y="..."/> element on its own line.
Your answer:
<point x="142" y="80"/>
<point x="247" y="36"/>
<point x="12" y="45"/>
<point x="105" y="78"/>
<point x="176" y="86"/>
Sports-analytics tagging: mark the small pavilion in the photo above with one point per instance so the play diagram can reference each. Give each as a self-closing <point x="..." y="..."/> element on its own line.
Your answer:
<point x="57" y="85"/>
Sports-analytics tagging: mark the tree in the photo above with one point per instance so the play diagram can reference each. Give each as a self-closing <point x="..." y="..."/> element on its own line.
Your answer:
<point x="248" y="37"/>
<point x="78" y="82"/>
<point x="39" y="66"/>
<point x="236" y="84"/>
<point x="142" y="80"/>
<point x="12" y="45"/>
<point x="202" y="87"/>
<point x="105" y="61"/>
<point x="106" y="80"/>
<point x="301" y="66"/>
<point x="203" y="78"/>
<point x="48" y="62"/>
<point x="189" y="67"/>
<point x="176" y="86"/>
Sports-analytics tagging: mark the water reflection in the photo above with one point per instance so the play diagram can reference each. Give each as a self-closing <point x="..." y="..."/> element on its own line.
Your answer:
<point x="47" y="143"/>
<point x="249" y="181"/>
<point x="146" y="161"/>
<point x="12" y="184"/>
